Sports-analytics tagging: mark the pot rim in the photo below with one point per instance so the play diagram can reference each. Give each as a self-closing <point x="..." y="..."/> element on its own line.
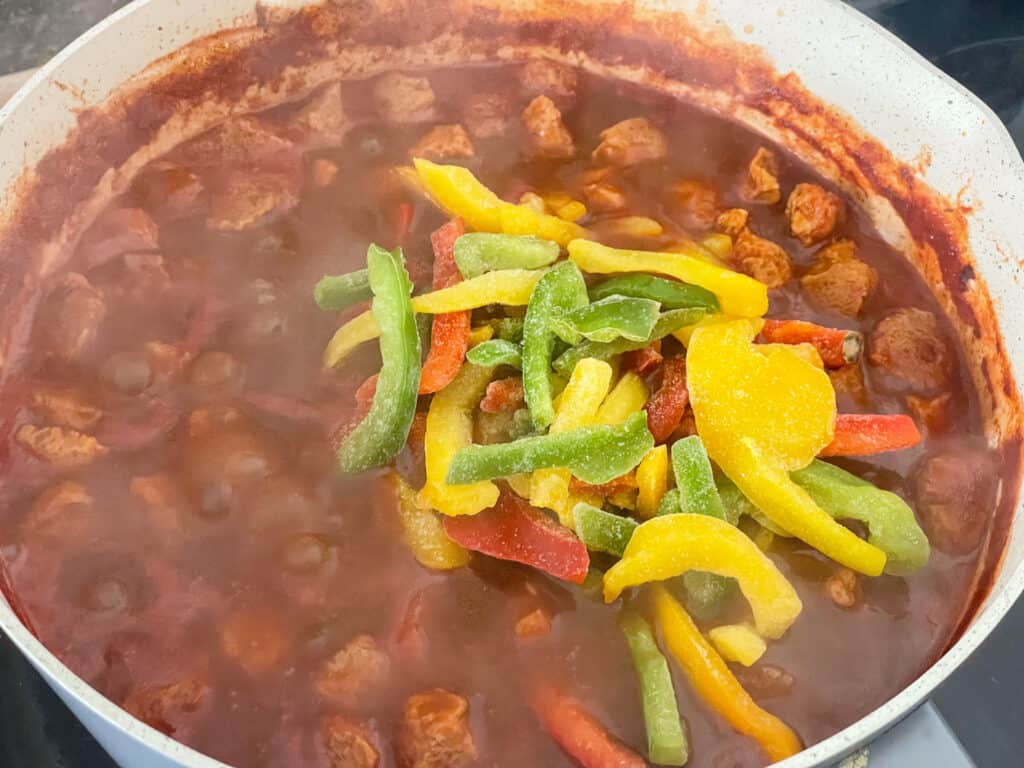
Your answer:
<point x="832" y="749"/>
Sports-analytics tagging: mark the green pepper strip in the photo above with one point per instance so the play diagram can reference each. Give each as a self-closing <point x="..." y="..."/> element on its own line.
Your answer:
<point x="695" y="479"/>
<point x="337" y="292"/>
<point x="705" y="594"/>
<point x="379" y="437"/>
<point x="669" y="293"/>
<point x="479" y="252"/>
<point x="509" y="329"/>
<point x="595" y="454"/>
<point x="558" y="292"/>
<point x="495" y="352"/>
<point x="669" y="322"/>
<point x="666" y="739"/>
<point x="608" y="319"/>
<point x="737" y="505"/>
<point x="602" y="531"/>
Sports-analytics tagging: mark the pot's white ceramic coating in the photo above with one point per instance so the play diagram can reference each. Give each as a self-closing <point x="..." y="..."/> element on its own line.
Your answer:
<point x="840" y="55"/>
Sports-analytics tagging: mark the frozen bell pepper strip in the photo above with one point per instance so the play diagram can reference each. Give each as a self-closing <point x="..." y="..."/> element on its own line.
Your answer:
<point x="620" y="485"/>
<point x="480" y="334"/>
<point x="513" y="530"/>
<point x="836" y="346"/>
<point x="503" y="395"/>
<point x="480" y="252"/>
<point x="337" y="292"/>
<point x="558" y="292"/>
<point x="643" y="361"/>
<point x="509" y="329"/>
<point x="667" y="406"/>
<point x="449" y="428"/>
<point x="738" y="642"/>
<point x="707" y="593"/>
<point x="737" y="294"/>
<point x="695" y="479"/>
<point x="357" y="331"/>
<point x="763" y="413"/>
<point x="869" y="434"/>
<point x="669" y="546"/>
<point x="379" y="437"/>
<point x="602" y="531"/>
<point x="577" y="406"/>
<point x="892" y="526"/>
<point x="616" y="317"/>
<point x="737" y="505"/>
<point x="595" y="454"/>
<point x="424" y="534"/>
<point x="523" y="220"/>
<point x="652" y="481"/>
<point x="496" y="352"/>
<point x="714" y="682"/>
<point x="669" y="293"/>
<point x="449" y="334"/>
<point x="668" y="323"/>
<point x="626" y="398"/>
<point x="666" y="738"/>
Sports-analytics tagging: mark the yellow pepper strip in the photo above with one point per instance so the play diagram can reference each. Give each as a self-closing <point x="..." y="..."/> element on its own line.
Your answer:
<point x="739" y="643"/>
<point x="737" y="294"/>
<point x="763" y="412"/>
<point x="670" y="545"/>
<point x="578" y="404"/>
<point x="574" y="210"/>
<point x="450" y="428"/>
<point x="623" y="500"/>
<point x="652" y="481"/>
<point x="480" y="334"/>
<point x="460" y="193"/>
<point x="626" y="398"/>
<point x="719" y="245"/>
<point x="715" y="683"/>
<point x="630" y="226"/>
<point x="424" y="534"/>
<point x="510" y="287"/>
<point x="520" y="485"/>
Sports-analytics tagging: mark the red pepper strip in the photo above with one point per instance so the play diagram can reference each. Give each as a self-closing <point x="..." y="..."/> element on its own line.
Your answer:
<point x="626" y="482"/>
<point x="866" y="435"/>
<point x="449" y="335"/>
<point x="513" y="530"/>
<point x="403" y="222"/>
<point x="366" y="391"/>
<point x="641" y="361"/>
<point x="667" y="406"/>
<point x="503" y="395"/>
<point x="837" y="347"/>
<point x="579" y="734"/>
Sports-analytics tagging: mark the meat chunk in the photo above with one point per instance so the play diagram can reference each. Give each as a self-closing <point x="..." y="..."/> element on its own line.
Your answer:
<point x="838" y="280"/>
<point x="434" y="732"/>
<point x="541" y="77"/>
<point x="844" y="589"/>
<point x="547" y="135"/>
<point x="161" y="706"/>
<point x="70" y="317"/>
<point x="244" y="200"/>
<point x="733" y="221"/>
<point x="487" y="115"/>
<point x="64" y="407"/>
<point x="60" y="446"/>
<point x="630" y="142"/>
<point x="536" y="623"/>
<point x="236" y="143"/>
<point x="697" y="203"/>
<point x="354" y="671"/>
<point x="602" y="193"/>
<point x="402" y="98"/>
<point x="933" y="413"/>
<point x="848" y="382"/>
<point x="765" y="681"/>
<point x="909" y="345"/>
<point x="762" y="183"/>
<point x="117" y="232"/>
<point x="163" y="500"/>
<point x="444" y="142"/>
<point x="813" y="212"/>
<point x="323" y="172"/>
<point x="762" y="259"/>
<point x="321" y="122"/>
<point x="216" y="373"/>
<point x="169" y="191"/>
<point x="955" y="497"/>
<point x="348" y="744"/>
<point x="254" y="639"/>
<point x="58" y="512"/>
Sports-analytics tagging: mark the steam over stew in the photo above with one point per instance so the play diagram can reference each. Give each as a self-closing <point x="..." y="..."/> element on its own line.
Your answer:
<point x="492" y="416"/>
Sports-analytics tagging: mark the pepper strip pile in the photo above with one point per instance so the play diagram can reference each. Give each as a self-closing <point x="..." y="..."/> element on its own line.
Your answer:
<point x="449" y="333"/>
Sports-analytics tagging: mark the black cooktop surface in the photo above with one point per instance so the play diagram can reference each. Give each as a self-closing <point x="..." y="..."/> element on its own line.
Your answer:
<point x="979" y="42"/>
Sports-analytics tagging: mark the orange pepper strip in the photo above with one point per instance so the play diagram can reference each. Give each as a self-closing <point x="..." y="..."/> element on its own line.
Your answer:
<point x="867" y="434"/>
<point x="449" y="334"/>
<point x="715" y="683"/>
<point x="837" y="347"/>
<point x="667" y="406"/>
<point x="503" y="395"/>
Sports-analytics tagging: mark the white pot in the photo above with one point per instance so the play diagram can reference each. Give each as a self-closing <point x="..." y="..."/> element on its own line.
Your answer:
<point x="899" y="99"/>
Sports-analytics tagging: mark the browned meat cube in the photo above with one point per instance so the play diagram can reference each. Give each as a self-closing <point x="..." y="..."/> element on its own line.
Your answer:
<point x="762" y="259"/>
<point x="955" y="499"/>
<point x="630" y="142"/>
<point x="932" y="413"/>
<point x="547" y="135"/>
<point x="117" y="232"/>
<point x="444" y="142"/>
<point x="534" y="624"/>
<point x="162" y="498"/>
<point x="844" y="589"/>
<point x="236" y="143"/>
<point x="254" y="639"/>
<point x="213" y="418"/>
<point x="908" y="344"/>
<point x="65" y="407"/>
<point x="402" y="98"/>
<point x="70" y="317"/>
<point x="169" y="191"/>
<point x="434" y="732"/>
<point x="321" y="122"/>
<point x="762" y="183"/>
<point x="601" y="192"/>
<point x="848" y="382"/>
<point x="838" y="280"/>
<point x="243" y="200"/>
<point x="59" y="512"/>
<point x="814" y="213"/>
<point x="541" y="77"/>
<point x="733" y="221"/>
<point x="348" y="744"/>
<point x="697" y="203"/>
<point x="60" y="446"/>
<point x="354" y="672"/>
<point x="162" y="706"/>
<point x="216" y="373"/>
<point x="765" y="681"/>
<point x="487" y="115"/>
<point x="323" y="172"/>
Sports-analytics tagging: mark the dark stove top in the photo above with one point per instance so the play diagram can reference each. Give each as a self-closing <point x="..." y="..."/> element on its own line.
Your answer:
<point x="979" y="42"/>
